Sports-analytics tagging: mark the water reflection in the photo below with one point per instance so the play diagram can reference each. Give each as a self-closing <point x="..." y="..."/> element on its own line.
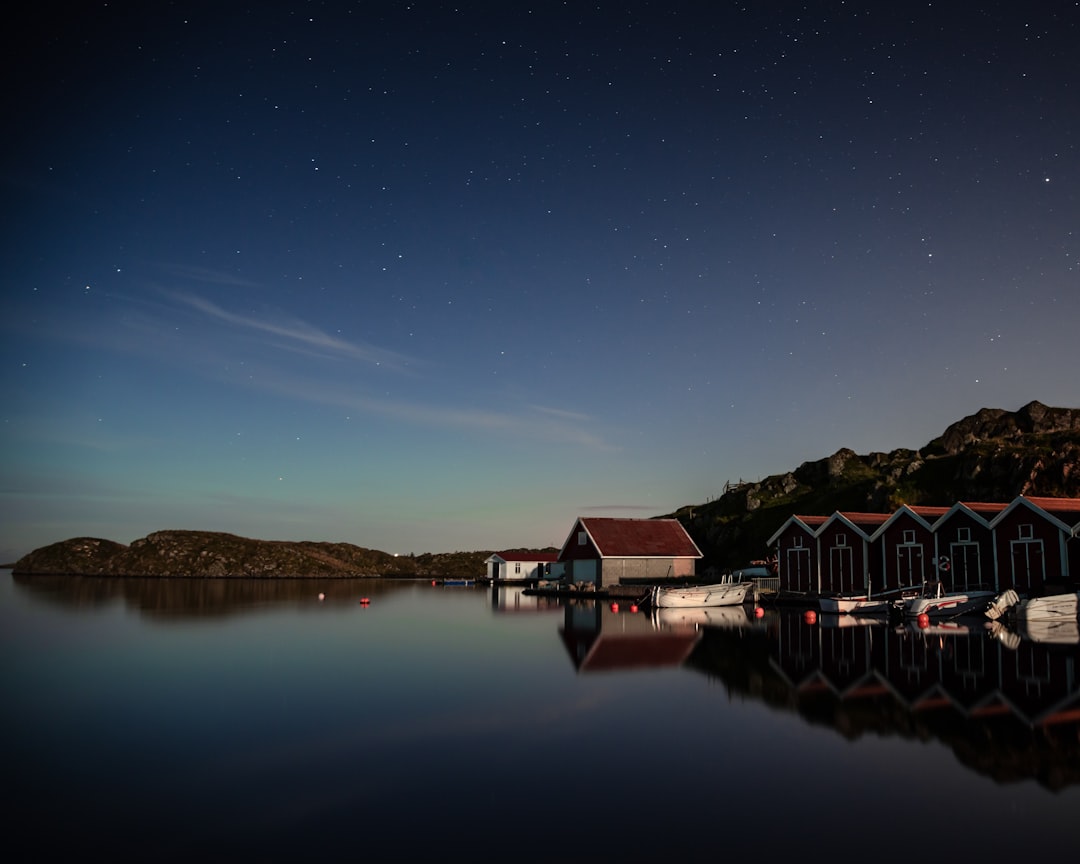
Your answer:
<point x="201" y="598"/>
<point x="1006" y="702"/>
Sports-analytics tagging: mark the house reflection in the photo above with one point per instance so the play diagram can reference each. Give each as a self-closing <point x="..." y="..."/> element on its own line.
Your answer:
<point x="513" y="599"/>
<point x="603" y="637"/>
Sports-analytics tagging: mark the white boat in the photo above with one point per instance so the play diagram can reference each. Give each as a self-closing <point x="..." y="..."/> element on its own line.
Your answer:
<point x="867" y="604"/>
<point x="1054" y="607"/>
<point x="718" y="594"/>
<point x="936" y="603"/>
<point x="854" y="604"/>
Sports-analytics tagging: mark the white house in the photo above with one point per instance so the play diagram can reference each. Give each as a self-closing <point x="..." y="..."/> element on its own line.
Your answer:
<point x="521" y="566"/>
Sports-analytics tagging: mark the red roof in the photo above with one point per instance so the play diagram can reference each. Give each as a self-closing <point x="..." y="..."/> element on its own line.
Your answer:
<point x="865" y="518"/>
<point x="639" y="538"/>
<point x="525" y="555"/>
<point x="984" y="508"/>
<point x="1066" y="509"/>
<point x="813" y="521"/>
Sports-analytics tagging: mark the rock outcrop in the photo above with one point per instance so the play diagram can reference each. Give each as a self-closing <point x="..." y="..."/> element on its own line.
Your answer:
<point x="993" y="455"/>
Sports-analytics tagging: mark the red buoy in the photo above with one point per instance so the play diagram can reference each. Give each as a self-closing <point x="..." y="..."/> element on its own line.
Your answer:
<point x="758" y="612"/>
<point x="364" y="601"/>
<point x="433" y="583"/>
<point x="633" y="607"/>
<point x="810" y="616"/>
<point x="923" y="620"/>
<point x="614" y="607"/>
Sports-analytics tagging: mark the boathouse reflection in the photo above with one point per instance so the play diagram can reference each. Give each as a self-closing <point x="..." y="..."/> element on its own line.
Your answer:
<point x="1006" y="704"/>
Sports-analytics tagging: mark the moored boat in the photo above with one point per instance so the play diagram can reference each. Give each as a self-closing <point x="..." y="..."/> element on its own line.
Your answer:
<point x="934" y="602"/>
<point x="717" y="594"/>
<point x="867" y="604"/>
<point x="1053" y="607"/>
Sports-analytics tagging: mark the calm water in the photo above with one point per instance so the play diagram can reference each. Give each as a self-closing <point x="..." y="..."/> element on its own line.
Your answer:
<point x="185" y="720"/>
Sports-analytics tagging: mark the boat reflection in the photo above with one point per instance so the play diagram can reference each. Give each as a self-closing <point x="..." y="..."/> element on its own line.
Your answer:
<point x="727" y="617"/>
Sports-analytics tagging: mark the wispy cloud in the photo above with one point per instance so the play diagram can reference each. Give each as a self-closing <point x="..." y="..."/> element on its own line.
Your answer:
<point x="550" y="425"/>
<point x="644" y="508"/>
<point x="294" y="333"/>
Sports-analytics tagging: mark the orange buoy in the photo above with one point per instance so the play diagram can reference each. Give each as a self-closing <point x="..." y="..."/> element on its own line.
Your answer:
<point x="614" y="607"/>
<point x="923" y="620"/>
<point x="810" y="616"/>
<point x="758" y="612"/>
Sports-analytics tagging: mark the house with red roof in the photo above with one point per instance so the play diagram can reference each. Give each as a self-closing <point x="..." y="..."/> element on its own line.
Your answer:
<point x="519" y="565"/>
<point x="902" y="549"/>
<point x="844" y="551"/>
<point x="964" y="545"/>
<point x="796" y="548"/>
<point x="606" y="551"/>
<point x="1035" y="543"/>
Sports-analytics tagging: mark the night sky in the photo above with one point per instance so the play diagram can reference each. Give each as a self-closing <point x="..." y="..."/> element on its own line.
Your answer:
<point x="430" y="277"/>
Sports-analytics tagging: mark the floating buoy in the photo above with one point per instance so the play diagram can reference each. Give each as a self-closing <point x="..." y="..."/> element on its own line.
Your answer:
<point x="923" y="620"/>
<point x="614" y="607"/>
<point x="810" y="616"/>
<point x="433" y="583"/>
<point x="758" y="612"/>
<point x="364" y="601"/>
<point x="322" y="596"/>
<point x="633" y="607"/>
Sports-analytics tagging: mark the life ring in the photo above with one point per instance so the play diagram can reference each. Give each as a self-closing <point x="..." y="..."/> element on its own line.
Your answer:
<point x="943" y="564"/>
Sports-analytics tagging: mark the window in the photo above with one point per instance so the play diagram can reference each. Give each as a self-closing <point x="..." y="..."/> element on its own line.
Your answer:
<point x="797" y="543"/>
<point x="1026" y="531"/>
<point x="841" y="539"/>
<point x="909" y="537"/>
<point x="963" y="535"/>
<point x="517" y="566"/>
<point x="582" y="538"/>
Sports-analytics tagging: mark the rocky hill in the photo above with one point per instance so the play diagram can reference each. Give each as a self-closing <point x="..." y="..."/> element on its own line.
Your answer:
<point x="214" y="554"/>
<point x="993" y="455"/>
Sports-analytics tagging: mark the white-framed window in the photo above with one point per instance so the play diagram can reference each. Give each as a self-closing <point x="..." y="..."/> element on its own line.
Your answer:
<point x="1026" y="531"/>
<point x="909" y="537"/>
<point x="582" y="538"/>
<point x="797" y="542"/>
<point x="517" y="566"/>
<point x="963" y="535"/>
<point x="841" y="539"/>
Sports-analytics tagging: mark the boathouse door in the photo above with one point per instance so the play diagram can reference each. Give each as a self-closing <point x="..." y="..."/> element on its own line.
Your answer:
<point x="798" y="569"/>
<point x="966" y="565"/>
<point x="1028" y="564"/>
<point x="842" y="570"/>
<point x="909" y="565"/>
